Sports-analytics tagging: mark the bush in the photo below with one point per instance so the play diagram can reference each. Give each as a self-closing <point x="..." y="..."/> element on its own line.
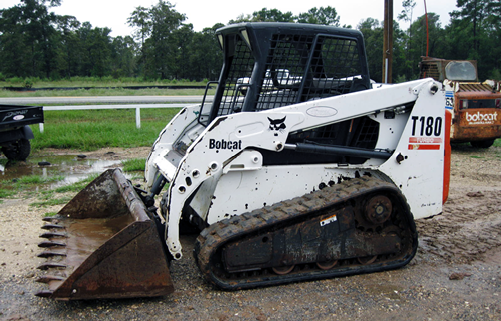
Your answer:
<point x="15" y="80"/>
<point x="28" y="83"/>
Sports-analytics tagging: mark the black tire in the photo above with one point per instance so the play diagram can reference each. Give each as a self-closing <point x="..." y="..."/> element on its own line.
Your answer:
<point x="482" y="143"/>
<point x="19" y="151"/>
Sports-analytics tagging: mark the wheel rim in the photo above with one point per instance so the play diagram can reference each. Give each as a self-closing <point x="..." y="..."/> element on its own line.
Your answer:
<point x="327" y="265"/>
<point x="367" y="259"/>
<point x="378" y="210"/>
<point x="281" y="270"/>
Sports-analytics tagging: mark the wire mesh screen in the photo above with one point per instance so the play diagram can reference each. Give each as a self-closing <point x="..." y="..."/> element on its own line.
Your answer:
<point x="367" y="135"/>
<point x="335" y="68"/>
<point x="302" y="67"/>
<point x="297" y="68"/>
<point x="430" y="70"/>
<point x="238" y="76"/>
<point x="286" y="63"/>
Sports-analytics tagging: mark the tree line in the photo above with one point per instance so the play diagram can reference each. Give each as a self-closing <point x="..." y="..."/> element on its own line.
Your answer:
<point x="37" y="43"/>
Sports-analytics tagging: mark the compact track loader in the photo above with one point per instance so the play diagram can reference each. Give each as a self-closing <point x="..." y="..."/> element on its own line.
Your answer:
<point x="301" y="168"/>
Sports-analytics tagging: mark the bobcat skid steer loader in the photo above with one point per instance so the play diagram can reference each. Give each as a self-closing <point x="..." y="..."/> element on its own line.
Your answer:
<point x="318" y="175"/>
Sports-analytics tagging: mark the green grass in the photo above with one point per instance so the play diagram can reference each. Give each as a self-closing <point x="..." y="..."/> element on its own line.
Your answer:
<point x="62" y="194"/>
<point x="98" y="87"/>
<point x="96" y="82"/>
<point x="6" y="192"/>
<point x="26" y="184"/>
<point x="135" y="164"/>
<point x="77" y="186"/>
<point x="88" y="130"/>
<point x="51" y="202"/>
<point x="37" y="179"/>
<point x="105" y="92"/>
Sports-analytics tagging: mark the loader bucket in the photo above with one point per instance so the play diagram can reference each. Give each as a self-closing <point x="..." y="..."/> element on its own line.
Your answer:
<point x="104" y="244"/>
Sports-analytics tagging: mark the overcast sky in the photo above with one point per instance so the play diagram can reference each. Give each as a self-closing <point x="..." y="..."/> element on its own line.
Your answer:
<point x="203" y="13"/>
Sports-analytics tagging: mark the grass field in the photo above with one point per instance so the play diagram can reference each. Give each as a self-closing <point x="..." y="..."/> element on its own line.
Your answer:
<point x="94" y="82"/>
<point x="98" y="87"/>
<point x="104" y="92"/>
<point x="88" y="130"/>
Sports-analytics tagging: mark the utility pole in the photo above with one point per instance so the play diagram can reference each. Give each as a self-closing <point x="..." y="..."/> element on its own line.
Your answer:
<point x="388" y="41"/>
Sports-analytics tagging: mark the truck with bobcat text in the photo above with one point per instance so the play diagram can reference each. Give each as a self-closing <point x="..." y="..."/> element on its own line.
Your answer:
<point x="475" y="106"/>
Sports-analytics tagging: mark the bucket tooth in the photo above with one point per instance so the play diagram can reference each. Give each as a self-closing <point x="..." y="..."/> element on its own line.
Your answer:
<point x="52" y="226"/>
<point x="44" y="294"/>
<point x="47" y="254"/>
<point x="49" y="265"/>
<point x="49" y="235"/>
<point x="49" y="278"/>
<point x="50" y="244"/>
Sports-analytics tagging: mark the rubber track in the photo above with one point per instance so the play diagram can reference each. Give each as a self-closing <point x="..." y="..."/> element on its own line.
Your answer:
<point x="218" y="234"/>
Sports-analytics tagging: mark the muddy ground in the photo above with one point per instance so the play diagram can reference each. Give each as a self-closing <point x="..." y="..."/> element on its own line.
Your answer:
<point x="455" y="275"/>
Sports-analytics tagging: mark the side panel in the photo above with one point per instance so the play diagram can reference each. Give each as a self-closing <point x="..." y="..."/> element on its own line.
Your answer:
<point x="243" y="191"/>
<point x="418" y="137"/>
<point x="419" y="170"/>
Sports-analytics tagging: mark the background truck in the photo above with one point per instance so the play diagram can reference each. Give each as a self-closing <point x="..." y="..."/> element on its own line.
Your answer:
<point x="319" y="177"/>
<point x="475" y="106"/>
<point x="15" y="134"/>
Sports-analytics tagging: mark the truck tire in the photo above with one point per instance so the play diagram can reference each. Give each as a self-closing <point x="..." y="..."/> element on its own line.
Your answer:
<point x="19" y="151"/>
<point x="482" y="143"/>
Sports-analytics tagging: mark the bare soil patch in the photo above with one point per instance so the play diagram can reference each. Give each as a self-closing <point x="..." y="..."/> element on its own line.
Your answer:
<point x="455" y="275"/>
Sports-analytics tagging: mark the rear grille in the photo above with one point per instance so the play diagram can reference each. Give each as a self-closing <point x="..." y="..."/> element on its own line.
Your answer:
<point x="475" y="87"/>
<point x="430" y="70"/>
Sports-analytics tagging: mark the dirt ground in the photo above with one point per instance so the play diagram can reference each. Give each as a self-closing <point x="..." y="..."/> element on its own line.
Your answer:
<point x="455" y="275"/>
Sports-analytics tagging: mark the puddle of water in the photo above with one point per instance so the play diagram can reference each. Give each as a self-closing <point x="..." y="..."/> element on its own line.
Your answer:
<point x="71" y="167"/>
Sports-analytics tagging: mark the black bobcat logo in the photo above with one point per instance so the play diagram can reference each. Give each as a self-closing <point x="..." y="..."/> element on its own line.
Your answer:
<point x="277" y="125"/>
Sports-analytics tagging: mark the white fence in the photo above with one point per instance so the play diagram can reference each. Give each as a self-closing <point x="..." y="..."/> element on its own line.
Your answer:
<point x="133" y="106"/>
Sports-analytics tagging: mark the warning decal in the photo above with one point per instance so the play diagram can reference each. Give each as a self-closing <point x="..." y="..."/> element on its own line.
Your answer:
<point x="424" y="143"/>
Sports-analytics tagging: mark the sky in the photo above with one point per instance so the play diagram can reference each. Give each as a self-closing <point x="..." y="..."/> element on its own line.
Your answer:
<point x="203" y="14"/>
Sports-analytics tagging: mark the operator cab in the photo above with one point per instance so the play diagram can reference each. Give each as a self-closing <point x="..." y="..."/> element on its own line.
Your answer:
<point x="270" y="65"/>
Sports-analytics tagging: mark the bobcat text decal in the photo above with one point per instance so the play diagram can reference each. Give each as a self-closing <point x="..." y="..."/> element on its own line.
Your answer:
<point x="224" y="144"/>
<point x="481" y="119"/>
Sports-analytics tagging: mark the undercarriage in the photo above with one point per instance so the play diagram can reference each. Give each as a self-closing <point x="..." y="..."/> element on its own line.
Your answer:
<point x="359" y="226"/>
